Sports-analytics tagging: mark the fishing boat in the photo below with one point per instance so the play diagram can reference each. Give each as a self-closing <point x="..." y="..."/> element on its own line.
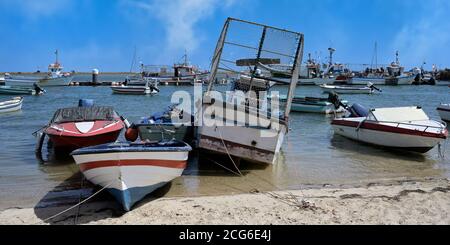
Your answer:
<point x="150" y="87"/>
<point x="17" y="90"/>
<point x="14" y="104"/>
<point x="405" y="128"/>
<point x="130" y="171"/>
<point x="54" y="77"/>
<point x="444" y="112"/>
<point x="257" y="135"/>
<point x="173" y="123"/>
<point x="369" y="89"/>
<point x="2" y="80"/>
<point x="76" y="127"/>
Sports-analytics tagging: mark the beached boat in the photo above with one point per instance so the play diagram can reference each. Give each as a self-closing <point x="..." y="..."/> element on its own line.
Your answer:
<point x="54" y="77"/>
<point x="444" y="112"/>
<point x="405" y="128"/>
<point x="369" y="89"/>
<point x="77" y="127"/>
<point x="130" y="171"/>
<point x="16" y="90"/>
<point x="14" y="104"/>
<point x="150" y="87"/>
<point x="173" y="123"/>
<point x="257" y="133"/>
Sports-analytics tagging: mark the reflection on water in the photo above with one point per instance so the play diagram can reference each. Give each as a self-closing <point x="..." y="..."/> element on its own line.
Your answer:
<point x="311" y="154"/>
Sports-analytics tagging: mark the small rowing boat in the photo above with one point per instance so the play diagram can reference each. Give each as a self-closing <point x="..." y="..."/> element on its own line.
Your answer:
<point x="130" y="171"/>
<point x="77" y="127"/>
<point x="173" y="123"/>
<point x="444" y="112"/>
<point x="405" y="128"/>
<point x="14" y="104"/>
<point x="18" y="90"/>
<point x="150" y="87"/>
<point x="369" y="89"/>
<point x="329" y="105"/>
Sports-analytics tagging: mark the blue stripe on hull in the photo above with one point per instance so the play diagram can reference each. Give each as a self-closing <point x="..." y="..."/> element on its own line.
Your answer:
<point x="133" y="195"/>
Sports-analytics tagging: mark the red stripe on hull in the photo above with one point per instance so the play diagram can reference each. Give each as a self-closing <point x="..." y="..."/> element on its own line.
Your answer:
<point x="133" y="162"/>
<point x="385" y="128"/>
<point x="73" y="142"/>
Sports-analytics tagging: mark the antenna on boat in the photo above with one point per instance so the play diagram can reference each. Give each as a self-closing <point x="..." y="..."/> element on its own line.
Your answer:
<point x="375" y="56"/>
<point x="134" y="59"/>
<point x="56" y="54"/>
<point x="331" y="55"/>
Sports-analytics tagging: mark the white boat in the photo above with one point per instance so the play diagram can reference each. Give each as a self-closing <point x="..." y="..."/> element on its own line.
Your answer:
<point x="150" y="87"/>
<point x="444" y="112"/>
<point x="54" y="77"/>
<point x="130" y="171"/>
<point x="369" y="89"/>
<point x="405" y="128"/>
<point x="256" y="134"/>
<point x="14" y="104"/>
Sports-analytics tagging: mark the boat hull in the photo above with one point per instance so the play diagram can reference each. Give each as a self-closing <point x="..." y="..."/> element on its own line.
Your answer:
<point x="132" y="173"/>
<point x="387" y="136"/>
<point x="444" y="112"/>
<point x="72" y="138"/>
<point x="11" y="106"/>
<point x="157" y="132"/>
<point x="347" y="90"/>
<point x="140" y="90"/>
<point x="321" y="109"/>
<point x="54" y="82"/>
<point x="16" y="90"/>
<point x="43" y="82"/>
<point x="70" y="143"/>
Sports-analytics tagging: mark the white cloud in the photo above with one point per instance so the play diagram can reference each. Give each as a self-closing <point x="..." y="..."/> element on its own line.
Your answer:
<point x="180" y="17"/>
<point x="426" y="35"/>
<point x="34" y="9"/>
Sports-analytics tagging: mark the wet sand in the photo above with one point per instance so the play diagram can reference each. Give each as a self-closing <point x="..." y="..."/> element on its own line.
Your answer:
<point x="401" y="202"/>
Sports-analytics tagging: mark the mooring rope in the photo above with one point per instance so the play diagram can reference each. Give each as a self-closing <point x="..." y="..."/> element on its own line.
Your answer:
<point x="78" y="204"/>
<point x="228" y="153"/>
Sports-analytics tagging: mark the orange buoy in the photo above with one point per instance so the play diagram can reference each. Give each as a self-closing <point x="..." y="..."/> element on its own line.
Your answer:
<point x="131" y="134"/>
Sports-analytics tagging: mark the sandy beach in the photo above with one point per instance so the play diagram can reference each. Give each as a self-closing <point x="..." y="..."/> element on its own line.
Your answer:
<point x="403" y="202"/>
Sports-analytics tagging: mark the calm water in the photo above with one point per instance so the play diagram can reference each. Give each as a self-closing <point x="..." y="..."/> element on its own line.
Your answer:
<point x="311" y="155"/>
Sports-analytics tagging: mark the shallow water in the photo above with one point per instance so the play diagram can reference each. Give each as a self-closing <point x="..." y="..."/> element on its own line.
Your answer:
<point x="311" y="154"/>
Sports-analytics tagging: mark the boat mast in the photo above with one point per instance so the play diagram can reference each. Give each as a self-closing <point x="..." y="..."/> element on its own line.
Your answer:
<point x="330" y="62"/>
<point x="56" y="54"/>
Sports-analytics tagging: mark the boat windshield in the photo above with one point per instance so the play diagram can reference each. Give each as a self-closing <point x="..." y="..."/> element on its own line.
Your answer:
<point x="79" y="114"/>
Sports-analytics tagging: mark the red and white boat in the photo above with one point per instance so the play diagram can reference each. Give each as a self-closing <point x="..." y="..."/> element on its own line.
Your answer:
<point x="406" y="128"/>
<point x="77" y="127"/>
<point x="130" y="171"/>
<point x="444" y="112"/>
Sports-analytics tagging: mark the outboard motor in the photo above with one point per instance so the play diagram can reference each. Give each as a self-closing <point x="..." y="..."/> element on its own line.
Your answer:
<point x="357" y="110"/>
<point x="85" y="103"/>
<point x="334" y="98"/>
<point x="38" y="89"/>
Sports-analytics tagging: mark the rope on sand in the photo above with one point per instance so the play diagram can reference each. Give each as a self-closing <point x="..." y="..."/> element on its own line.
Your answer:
<point x="78" y="204"/>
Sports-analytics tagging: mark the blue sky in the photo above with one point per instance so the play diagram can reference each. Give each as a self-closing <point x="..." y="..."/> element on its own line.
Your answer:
<point x="103" y="33"/>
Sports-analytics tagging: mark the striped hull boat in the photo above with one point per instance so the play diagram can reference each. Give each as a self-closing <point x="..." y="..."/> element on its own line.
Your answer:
<point x="11" y="105"/>
<point x="132" y="171"/>
<point x="392" y="135"/>
<point x="43" y="82"/>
